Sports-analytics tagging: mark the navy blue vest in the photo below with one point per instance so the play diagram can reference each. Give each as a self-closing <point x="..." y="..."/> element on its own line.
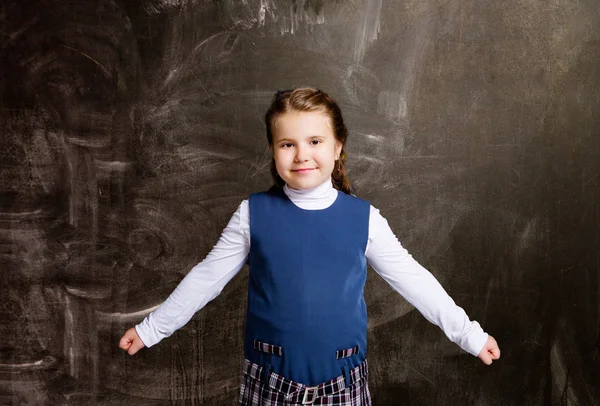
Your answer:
<point x="306" y="317"/>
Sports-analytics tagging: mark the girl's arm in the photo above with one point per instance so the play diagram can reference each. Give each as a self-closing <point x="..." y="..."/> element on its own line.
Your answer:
<point x="203" y="283"/>
<point x="419" y="287"/>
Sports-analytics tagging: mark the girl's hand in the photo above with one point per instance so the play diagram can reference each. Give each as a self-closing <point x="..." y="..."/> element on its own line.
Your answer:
<point x="131" y="342"/>
<point x="490" y="351"/>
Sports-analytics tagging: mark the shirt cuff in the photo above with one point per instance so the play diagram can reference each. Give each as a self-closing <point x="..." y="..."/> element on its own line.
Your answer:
<point x="143" y="332"/>
<point x="476" y="340"/>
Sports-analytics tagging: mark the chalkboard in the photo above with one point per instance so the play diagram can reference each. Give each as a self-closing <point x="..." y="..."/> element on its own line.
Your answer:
<point x="132" y="130"/>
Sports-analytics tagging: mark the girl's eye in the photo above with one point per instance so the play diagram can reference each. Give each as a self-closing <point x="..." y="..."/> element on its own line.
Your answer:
<point x="315" y="142"/>
<point x="287" y="145"/>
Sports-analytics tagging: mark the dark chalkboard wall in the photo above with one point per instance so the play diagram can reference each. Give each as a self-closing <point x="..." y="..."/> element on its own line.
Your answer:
<point x="130" y="132"/>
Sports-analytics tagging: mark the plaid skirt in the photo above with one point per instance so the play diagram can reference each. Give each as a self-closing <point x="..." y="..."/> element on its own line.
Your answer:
<point x="281" y="391"/>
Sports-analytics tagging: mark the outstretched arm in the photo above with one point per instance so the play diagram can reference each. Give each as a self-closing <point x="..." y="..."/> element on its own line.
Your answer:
<point x="202" y="284"/>
<point x="421" y="289"/>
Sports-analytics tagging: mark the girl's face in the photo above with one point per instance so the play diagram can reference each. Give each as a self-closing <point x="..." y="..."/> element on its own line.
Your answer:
<point x="304" y="148"/>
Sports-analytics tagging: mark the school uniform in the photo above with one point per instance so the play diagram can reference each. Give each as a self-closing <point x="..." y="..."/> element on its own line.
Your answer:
<point x="305" y="338"/>
<point x="307" y="319"/>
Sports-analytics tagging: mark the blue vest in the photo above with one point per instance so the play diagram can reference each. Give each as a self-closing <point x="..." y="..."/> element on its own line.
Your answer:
<point x="306" y="318"/>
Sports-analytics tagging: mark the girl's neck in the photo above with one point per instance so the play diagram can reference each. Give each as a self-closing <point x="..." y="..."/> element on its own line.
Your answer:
<point x="317" y="198"/>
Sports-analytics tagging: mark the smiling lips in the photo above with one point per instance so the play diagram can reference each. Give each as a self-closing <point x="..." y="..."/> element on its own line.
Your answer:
<point x="303" y="170"/>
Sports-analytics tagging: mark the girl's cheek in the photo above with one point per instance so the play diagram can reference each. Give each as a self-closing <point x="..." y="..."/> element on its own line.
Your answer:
<point x="281" y="155"/>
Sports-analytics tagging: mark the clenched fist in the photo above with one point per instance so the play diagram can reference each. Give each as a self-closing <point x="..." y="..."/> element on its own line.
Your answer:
<point x="131" y="342"/>
<point x="490" y="351"/>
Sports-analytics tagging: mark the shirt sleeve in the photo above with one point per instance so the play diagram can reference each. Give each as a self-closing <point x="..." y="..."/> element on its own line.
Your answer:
<point x="203" y="283"/>
<point x="419" y="287"/>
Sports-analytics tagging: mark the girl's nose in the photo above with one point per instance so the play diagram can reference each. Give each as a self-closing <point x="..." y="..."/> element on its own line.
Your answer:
<point x="301" y="154"/>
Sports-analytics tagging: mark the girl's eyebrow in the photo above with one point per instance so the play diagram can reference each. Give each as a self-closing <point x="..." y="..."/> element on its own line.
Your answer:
<point x="309" y="137"/>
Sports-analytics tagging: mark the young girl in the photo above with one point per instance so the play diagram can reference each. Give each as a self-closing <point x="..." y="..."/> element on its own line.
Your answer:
<point x="307" y="242"/>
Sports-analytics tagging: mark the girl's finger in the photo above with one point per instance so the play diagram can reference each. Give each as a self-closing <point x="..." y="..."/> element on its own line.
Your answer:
<point x="485" y="357"/>
<point x="135" y="347"/>
<point x="125" y="343"/>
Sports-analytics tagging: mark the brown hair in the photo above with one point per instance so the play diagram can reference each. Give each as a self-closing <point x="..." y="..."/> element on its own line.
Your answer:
<point x="307" y="99"/>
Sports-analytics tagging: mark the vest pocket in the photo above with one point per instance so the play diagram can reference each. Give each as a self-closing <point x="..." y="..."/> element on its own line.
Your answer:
<point x="268" y="348"/>
<point x="346" y="353"/>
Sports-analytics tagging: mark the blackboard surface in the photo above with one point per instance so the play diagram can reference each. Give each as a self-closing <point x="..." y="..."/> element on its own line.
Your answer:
<point x="130" y="131"/>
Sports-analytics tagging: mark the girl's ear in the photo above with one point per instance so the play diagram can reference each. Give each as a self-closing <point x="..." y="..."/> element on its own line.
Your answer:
<point x="338" y="148"/>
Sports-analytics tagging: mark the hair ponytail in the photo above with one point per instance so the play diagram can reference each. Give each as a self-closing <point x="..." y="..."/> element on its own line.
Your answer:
<point x="339" y="177"/>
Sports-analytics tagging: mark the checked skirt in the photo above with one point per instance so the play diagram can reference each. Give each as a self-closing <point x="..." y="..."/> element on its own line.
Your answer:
<point x="280" y="391"/>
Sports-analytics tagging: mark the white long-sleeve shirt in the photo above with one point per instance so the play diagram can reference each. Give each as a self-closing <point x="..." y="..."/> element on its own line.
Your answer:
<point x="384" y="253"/>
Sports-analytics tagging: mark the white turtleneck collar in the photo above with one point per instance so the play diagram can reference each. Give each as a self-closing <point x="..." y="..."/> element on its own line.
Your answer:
<point x="318" y="198"/>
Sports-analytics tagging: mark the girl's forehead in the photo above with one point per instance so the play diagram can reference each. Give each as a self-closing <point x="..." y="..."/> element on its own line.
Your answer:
<point x="299" y="122"/>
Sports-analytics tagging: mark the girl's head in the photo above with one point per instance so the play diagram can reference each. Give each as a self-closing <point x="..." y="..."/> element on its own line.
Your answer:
<point x="307" y="136"/>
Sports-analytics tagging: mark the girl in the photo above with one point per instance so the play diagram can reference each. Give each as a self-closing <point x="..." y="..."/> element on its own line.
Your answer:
<point x="307" y="242"/>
